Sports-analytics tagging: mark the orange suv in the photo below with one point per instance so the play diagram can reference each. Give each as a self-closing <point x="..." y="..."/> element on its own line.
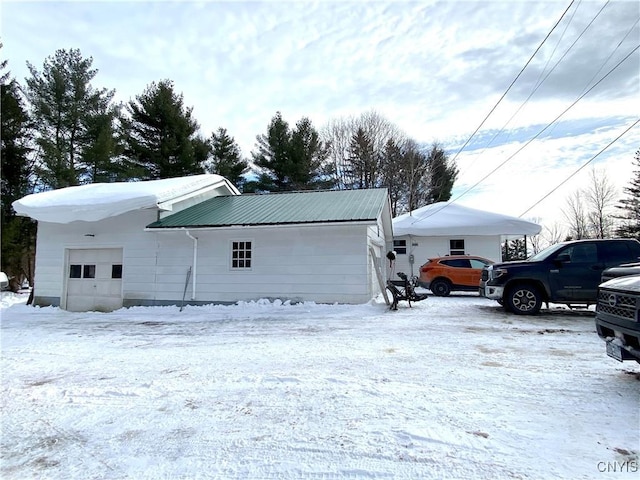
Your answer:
<point x="443" y="275"/>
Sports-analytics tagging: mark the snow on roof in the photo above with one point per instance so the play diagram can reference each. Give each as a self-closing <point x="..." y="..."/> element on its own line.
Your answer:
<point x="97" y="201"/>
<point x="445" y="219"/>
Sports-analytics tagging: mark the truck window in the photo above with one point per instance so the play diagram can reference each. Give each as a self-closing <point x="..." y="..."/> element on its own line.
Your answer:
<point x="616" y="252"/>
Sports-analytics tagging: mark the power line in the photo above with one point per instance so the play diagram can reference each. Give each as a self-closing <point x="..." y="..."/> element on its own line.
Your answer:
<point x="549" y="124"/>
<point x="581" y="167"/>
<point x="542" y="79"/>
<point x="513" y="82"/>
<point x="504" y="95"/>
<point x="615" y="67"/>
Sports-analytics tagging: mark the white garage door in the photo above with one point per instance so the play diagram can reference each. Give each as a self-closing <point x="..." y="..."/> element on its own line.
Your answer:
<point x="94" y="280"/>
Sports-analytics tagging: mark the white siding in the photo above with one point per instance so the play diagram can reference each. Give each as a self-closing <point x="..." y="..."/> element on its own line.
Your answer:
<point x="306" y="263"/>
<point x="324" y="263"/>
<point x="124" y="231"/>
<point x="423" y="248"/>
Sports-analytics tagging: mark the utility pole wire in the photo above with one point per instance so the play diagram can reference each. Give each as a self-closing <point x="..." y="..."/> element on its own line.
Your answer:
<point x="541" y="80"/>
<point x="510" y="157"/>
<point x="538" y="134"/>
<point x="512" y="83"/>
<point x="581" y="167"/>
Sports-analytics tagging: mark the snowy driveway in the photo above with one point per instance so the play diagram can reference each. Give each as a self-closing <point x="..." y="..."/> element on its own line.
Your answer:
<point x="451" y="388"/>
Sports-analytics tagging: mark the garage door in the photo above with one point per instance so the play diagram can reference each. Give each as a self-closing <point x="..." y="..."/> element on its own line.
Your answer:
<point x="94" y="280"/>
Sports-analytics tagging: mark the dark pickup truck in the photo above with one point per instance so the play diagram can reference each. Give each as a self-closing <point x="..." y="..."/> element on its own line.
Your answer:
<point x="567" y="273"/>
<point x="618" y="317"/>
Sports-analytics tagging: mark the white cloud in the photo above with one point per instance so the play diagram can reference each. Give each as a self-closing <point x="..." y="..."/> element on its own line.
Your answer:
<point x="435" y="69"/>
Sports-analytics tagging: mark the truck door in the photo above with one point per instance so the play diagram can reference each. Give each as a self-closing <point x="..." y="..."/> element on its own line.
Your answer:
<point x="575" y="273"/>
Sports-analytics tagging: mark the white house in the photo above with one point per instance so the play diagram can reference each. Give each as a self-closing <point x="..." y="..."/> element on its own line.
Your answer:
<point x="444" y="228"/>
<point x="196" y="240"/>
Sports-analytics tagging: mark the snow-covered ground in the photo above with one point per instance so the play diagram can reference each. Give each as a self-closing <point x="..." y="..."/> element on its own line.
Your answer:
<point x="451" y="388"/>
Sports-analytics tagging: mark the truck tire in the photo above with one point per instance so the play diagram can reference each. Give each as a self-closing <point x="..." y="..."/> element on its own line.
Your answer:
<point x="440" y="287"/>
<point x="523" y="299"/>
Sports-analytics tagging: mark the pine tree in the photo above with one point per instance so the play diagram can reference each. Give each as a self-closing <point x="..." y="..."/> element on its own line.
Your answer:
<point x="18" y="233"/>
<point x="416" y="177"/>
<point x="310" y="168"/>
<point x="630" y="205"/>
<point x="102" y="157"/>
<point x="514" y="249"/>
<point x="63" y="106"/>
<point x="226" y="159"/>
<point x="4" y="77"/>
<point x="292" y="160"/>
<point x="363" y="161"/>
<point x="161" y="135"/>
<point x="393" y="176"/>
<point x="442" y="175"/>
<point x="273" y="156"/>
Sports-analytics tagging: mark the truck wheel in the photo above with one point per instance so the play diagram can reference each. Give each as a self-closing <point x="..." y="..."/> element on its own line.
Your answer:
<point x="440" y="287"/>
<point x="524" y="299"/>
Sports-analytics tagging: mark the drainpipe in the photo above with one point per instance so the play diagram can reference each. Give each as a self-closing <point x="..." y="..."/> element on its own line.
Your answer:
<point x="195" y="264"/>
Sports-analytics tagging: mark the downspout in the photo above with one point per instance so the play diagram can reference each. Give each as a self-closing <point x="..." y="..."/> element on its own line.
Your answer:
<point x="195" y="264"/>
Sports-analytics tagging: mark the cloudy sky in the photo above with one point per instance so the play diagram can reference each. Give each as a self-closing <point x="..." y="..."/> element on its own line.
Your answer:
<point x="434" y="69"/>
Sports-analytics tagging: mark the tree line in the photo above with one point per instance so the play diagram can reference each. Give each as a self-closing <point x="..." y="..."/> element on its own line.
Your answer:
<point x="59" y="130"/>
<point x="593" y="211"/>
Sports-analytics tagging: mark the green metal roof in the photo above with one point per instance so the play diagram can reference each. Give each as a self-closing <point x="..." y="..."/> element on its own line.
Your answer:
<point x="280" y="208"/>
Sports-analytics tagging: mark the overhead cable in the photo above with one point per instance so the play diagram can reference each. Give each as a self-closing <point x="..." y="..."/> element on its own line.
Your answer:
<point x="513" y="82"/>
<point x="550" y="123"/>
<point x="615" y="67"/>
<point x="543" y="79"/>
<point x="581" y="167"/>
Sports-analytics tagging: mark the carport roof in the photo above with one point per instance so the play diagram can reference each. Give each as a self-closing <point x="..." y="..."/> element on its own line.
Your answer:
<point x="280" y="208"/>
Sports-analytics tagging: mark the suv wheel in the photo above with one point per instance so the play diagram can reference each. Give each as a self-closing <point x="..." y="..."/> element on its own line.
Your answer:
<point x="440" y="287"/>
<point x="524" y="299"/>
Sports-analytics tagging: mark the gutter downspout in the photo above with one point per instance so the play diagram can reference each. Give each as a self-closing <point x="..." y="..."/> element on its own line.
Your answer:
<point x="195" y="264"/>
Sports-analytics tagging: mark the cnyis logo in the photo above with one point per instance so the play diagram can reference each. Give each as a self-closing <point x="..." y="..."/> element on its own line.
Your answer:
<point x="627" y="466"/>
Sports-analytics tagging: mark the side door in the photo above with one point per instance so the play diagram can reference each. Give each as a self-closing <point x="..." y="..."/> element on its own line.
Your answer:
<point x="460" y="271"/>
<point x="575" y="273"/>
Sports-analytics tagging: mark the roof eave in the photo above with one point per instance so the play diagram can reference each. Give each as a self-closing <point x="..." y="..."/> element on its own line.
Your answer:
<point x="262" y="225"/>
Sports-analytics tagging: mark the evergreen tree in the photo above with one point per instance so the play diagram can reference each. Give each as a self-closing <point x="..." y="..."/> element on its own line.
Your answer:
<point x="102" y="157"/>
<point x="630" y="227"/>
<point x="393" y="175"/>
<point x="310" y="168"/>
<point x="64" y="107"/>
<point x="292" y="160"/>
<point x="273" y="156"/>
<point x="363" y="161"/>
<point x="18" y="233"/>
<point x="442" y="176"/>
<point x="514" y="249"/>
<point x="226" y="159"/>
<point x="356" y="148"/>
<point x="5" y="76"/>
<point x="416" y="173"/>
<point x="161" y="140"/>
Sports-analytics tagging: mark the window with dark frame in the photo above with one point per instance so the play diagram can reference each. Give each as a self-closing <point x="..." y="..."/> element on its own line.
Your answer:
<point x="241" y="255"/>
<point x="116" y="271"/>
<point x="400" y="247"/>
<point x="75" y="271"/>
<point x="88" y="271"/>
<point x="456" y="247"/>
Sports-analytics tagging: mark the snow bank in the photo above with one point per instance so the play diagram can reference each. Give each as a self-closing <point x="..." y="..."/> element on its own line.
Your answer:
<point x="8" y="299"/>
